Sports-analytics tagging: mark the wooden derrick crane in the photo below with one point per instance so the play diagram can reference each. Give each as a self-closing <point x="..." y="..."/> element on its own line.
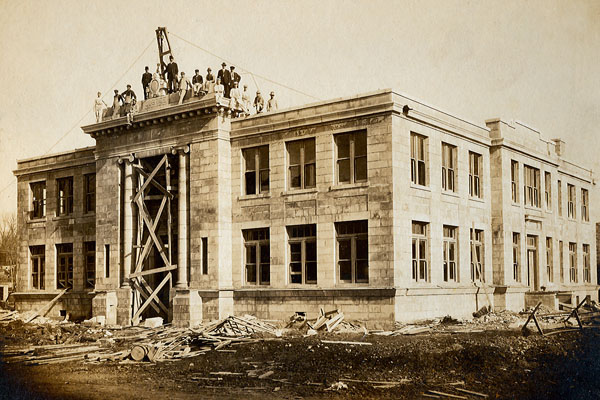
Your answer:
<point x="164" y="49"/>
<point x="152" y="275"/>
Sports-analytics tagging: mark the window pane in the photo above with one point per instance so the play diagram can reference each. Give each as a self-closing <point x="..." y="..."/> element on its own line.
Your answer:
<point x="311" y="272"/>
<point x="295" y="176"/>
<point x="296" y="252"/>
<point x="264" y="180"/>
<point x="309" y="151"/>
<point x="263" y="155"/>
<point x="345" y="271"/>
<point x="309" y="175"/>
<point x="344" y="170"/>
<point x="360" y="169"/>
<point x="265" y="256"/>
<point x="362" y="249"/>
<point x="362" y="270"/>
<point x="250" y="159"/>
<point x="345" y="249"/>
<point x="311" y="251"/>
<point x="251" y="182"/>
<point x="360" y="144"/>
<point x="294" y="152"/>
<point x="343" y="146"/>
<point x="265" y="274"/>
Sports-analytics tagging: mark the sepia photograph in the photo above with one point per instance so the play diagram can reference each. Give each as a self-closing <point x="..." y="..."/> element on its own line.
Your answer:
<point x="278" y="199"/>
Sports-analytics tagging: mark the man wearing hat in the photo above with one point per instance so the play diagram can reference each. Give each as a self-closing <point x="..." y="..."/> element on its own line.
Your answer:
<point x="128" y="98"/>
<point x="184" y="85"/>
<point x="117" y="101"/>
<point x="235" y="77"/>
<point x="246" y="100"/>
<point x="272" y="103"/>
<point x="197" y="83"/>
<point x="209" y="83"/>
<point x="259" y="102"/>
<point x="225" y="76"/>
<point x="146" y="79"/>
<point x="172" y="71"/>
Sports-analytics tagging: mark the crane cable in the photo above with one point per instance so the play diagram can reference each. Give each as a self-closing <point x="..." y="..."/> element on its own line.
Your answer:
<point x="89" y="110"/>
<point x="251" y="73"/>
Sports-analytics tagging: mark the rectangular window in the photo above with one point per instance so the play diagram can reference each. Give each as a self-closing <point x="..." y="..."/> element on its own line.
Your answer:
<point x="257" y="256"/>
<point x="571" y="201"/>
<point x="475" y="173"/>
<point x="89" y="193"/>
<point x="418" y="149"/>
<point x="38" y="267"/>
<point x="585" y="201"/>
<point x="450" y="256"/>
<point x="516" y="257"/>
<point x="302" y="164"/>
<point x="90" y="264"/>
<point x="256" y="175"/>
<point x="64" y="266"/>
<point x="353" y="251"/>
<point x="549" y="260"/>
<point x="514" y="180"/>
<point x="573" y="262"/>
<point x="38" y="200"/>
<point x="448" y="167"/>
<point x="532" y="186"/>
<point x="351" y="157"/>
<point x="107" y="260"/>
<point x="559" y="195"/>
<point x="548" y="190"/>
<point x="561" y="261"/>
<point x="64" y="191"/>
<point x="587" y="272"/>
<point x="420" y="253"/>
<point x="204" y="256"/>
<point x="477" y="264"/>
<point x="303" y="253"/>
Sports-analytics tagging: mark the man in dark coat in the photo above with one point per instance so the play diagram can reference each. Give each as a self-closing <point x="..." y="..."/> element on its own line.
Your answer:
<point x="235" y="77"/>
<point x="146" y="79"/>
<point x="225" y="76"/>
<point x="172" y="71"/>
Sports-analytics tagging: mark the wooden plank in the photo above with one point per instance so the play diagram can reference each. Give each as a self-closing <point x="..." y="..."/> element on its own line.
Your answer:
<point x="345" y="342"/>
<point x="485" y="396"/>
<point x="537" y="324"/>
<point x="150" y="177"/>
<point x="531" y="315"/>
<point x="151" y="297"/>
<point x="159" y="244"/>
<point x="157" y="185"/>
<point x="139" y="289"/>
<point x="400" y="382"/>
<point x="152" y="271"/>
<point x="46" y="307"/>
<point x="147" y="247"/>
<point x="454" y="396"/>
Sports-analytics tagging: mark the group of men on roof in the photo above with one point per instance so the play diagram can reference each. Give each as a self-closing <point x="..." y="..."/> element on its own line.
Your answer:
<point x="226" y="86"/>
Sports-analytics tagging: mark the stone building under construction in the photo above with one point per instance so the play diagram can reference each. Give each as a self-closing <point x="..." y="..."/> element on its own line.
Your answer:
<point x="377" y="204"/>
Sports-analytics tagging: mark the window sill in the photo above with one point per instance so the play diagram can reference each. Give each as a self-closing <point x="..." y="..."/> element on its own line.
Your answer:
<point x="89" y="214"/>
<point x="36" y="220"/>
<point x="419" y="187"/>
<point x="63" y="217"/>
<point x="341" y="284"/>
<point x="344" y="186"/>
<point x="533" y="208"/>
<point x="476" y="199"/>
<point x="450" y="193"/>
<point x="292" y="192"/>
<point x="254" y="196"/>
<point x="516" y="204"/>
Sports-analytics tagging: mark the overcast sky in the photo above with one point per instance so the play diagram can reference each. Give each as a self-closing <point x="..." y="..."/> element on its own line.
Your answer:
<point x="535" y="61"/>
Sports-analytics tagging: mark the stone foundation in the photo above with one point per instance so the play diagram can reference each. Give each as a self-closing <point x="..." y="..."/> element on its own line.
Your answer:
<point x="187" y="308"/>
<point x="78" y="305"/>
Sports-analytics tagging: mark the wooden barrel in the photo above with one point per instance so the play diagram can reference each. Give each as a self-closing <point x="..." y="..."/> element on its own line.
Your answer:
<point x="138" y="352"/>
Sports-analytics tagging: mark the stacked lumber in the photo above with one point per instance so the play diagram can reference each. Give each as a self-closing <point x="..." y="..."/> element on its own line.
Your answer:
<point x="329" y="320"/>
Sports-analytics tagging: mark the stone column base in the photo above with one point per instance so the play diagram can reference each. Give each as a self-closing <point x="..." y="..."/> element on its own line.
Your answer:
<point x="225" y="303"/>
<point x="187" y="308"/>
<point x="105" y="304"/>
<point x="124" y="306"/>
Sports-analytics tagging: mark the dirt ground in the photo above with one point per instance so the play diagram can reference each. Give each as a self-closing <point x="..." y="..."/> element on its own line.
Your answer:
<point x="503" y="364"/>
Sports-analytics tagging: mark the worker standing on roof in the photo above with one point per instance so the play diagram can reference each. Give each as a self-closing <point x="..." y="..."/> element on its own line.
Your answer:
<point x="146" y="79"/>
<point x="117" y="102"/>
<point x="259" y="102"/>
<point x="219" y="90"/>
<point x="272" y="103"/>
<point x="246" y="100"/>
<point x="209" y="83"/>
<point x="235" y="77"/>
<point x="99" y="105"/>
<point x="225" y="76"/>
<point x="197" y="83"/>
<point x="129" y="99"/>
<point x="172" y="71"/>
<point x="236" y="97"/>
<point x="184" y="86"/>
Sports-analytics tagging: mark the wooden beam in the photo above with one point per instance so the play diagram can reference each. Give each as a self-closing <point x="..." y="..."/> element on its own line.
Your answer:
<point x="153" y="271"/>
<point x="147" y="247"/>
<point x="46" y="307"/>
<point x="157" y="185"/>
<point x="159" y="244"/>
<point x="153" y="296"/>
<point x="139" y="290"/>
<point x="149" y="178"/>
